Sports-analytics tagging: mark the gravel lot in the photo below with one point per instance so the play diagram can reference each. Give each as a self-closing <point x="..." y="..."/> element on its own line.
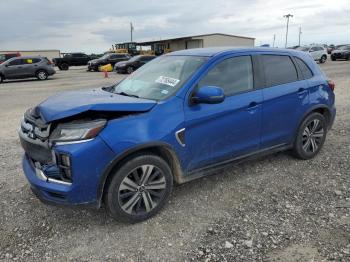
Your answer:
<point x="274" y="208"/>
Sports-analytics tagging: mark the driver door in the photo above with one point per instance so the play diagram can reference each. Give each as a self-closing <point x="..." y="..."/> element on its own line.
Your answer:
<point x="219" y="132"/>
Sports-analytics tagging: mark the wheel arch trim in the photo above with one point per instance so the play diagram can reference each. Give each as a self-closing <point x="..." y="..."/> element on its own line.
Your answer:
<point x="162" y="148"/>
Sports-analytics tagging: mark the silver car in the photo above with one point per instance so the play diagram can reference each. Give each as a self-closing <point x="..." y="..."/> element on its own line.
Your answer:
<point x="26" y="67"/>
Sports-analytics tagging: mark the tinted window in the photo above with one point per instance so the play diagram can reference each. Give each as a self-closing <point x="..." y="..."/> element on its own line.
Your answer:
<point x="305" y="70"/>
<point x="279" y="69"/>
<point x="234" y="75"/>
<point x="15" y="62"/>
<point x="78" y="55"/>
<point x="32" y="60"/>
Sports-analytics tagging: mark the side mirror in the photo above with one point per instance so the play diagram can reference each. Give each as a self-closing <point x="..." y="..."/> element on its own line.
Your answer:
<point x="208" y="95"/>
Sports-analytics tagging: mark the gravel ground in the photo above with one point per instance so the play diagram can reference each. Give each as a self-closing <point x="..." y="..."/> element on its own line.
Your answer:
<point x="275" y="208"/>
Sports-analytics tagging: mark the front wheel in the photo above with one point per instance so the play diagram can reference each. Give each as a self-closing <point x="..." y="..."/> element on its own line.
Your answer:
<point x="323" y="59"/>
<point x="130" y="69"/>
<point x="42" y="75"/>
<point x="1" y="79"/>
<point x="310" y="137"/>
<point x="139" y="188"/>
<point x="64" y="66"/>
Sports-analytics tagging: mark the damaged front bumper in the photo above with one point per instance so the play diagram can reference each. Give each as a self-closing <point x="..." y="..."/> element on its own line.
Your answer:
<point x="88" y="161"/>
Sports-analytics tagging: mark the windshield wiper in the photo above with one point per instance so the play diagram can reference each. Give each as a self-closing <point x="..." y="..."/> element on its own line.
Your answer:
<point x="126" y="94"/>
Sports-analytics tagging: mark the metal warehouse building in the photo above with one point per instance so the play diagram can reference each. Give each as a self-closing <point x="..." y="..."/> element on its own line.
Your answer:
<point x="198" y="41"/>
<point x="46" y="53"/>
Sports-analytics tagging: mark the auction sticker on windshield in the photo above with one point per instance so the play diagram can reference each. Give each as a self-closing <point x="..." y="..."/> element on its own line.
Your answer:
<point x="167" y="81"/>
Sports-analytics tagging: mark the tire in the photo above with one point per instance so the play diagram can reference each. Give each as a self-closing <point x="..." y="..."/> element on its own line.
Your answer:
<point x="64" y="66"/>
<point x="42" y="75"/>
<point x="310" y="137"/>
<point x="348" y="58"/>
<point x="130" y="199"/>
<point x="323" y="59"/>
<point x="333" y="59"/>
<point x="130" y="69"/>
<point x="1" y="78"/>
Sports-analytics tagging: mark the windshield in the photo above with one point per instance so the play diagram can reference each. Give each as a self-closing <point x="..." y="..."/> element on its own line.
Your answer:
<point x="303" y="48"/>
<point x="160" y="78"/>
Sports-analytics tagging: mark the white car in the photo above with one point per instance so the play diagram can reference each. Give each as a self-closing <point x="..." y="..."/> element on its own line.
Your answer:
<point x="318" y="52"/>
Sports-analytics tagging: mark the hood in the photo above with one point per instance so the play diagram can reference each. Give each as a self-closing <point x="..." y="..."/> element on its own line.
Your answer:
<point x="72" y="103"/>
<point x="96" y="60"/>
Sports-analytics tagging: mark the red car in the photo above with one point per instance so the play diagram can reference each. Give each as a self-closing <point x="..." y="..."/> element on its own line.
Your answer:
<point x="4" y="57"/>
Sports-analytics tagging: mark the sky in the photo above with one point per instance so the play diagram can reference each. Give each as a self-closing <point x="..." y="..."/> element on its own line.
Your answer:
<point x="93" y="26"/>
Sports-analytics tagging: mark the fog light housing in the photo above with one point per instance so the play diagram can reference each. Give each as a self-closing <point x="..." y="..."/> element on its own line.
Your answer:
<point x="65" y="167"/>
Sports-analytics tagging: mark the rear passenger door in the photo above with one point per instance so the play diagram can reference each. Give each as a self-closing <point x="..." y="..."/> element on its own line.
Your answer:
<point x="286" y="97"/>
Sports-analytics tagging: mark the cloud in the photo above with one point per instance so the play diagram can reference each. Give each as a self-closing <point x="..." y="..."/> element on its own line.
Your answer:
<point x="93" y="26"/>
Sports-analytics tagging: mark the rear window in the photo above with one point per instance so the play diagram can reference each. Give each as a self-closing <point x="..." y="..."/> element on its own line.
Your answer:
<point x="279" y="70"/>
<point x="305" y="70"/>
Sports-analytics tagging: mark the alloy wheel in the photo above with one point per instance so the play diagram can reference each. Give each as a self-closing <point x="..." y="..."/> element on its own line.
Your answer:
<point x="42" y="75"/>
<point x="141" y="190"/>
<point x="312" y="136"/>
<point x="130" y="70"/>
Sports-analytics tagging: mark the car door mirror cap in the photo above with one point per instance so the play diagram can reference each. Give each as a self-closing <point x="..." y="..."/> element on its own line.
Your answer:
<point x="208" y="95"/>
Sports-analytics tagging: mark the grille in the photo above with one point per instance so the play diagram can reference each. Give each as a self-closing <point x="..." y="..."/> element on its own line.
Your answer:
<point x="34" y="135"/>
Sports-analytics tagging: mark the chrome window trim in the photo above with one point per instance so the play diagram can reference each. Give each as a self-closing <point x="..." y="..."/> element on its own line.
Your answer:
<point x="177" y="136"/>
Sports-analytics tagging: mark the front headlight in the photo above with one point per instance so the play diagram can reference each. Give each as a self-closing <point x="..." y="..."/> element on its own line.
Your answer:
<point x="78" y="130"/>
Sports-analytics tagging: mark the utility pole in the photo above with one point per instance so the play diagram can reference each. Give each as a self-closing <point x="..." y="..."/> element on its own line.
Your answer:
<point x="299" y="34"/>
<point x="287" y="16"/>
<point x="131" y="30"/>
<point x="274" y="39"/>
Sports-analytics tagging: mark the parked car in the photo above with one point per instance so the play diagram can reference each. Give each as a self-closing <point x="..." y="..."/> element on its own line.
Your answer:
<point x="318" y="53"/>
<point x="71" y="59"/>
<point x="133" y="64"/>
<point x="330" y="48"/>
<point x="178" y="118"/>
<point x="343" y="52"/>
<point x="26" y="67"/>
<point x="107" y="59"/>
<point x="4" y="57"/>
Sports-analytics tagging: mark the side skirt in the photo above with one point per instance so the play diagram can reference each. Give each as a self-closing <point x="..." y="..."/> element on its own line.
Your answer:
<point x="211" y="169"/>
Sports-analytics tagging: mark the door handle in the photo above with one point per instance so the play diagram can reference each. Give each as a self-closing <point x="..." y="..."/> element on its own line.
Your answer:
<point x="252" y="106"/>
<point x="302" y="91"/>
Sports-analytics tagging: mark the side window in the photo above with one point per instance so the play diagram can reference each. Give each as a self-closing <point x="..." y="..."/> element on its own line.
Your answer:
<point x="233" y="75"/>
<point x="279" y="69"/>
<point x="305" y="70"/>
<point x="31" y="60"/>
<point x="15" y="62"/>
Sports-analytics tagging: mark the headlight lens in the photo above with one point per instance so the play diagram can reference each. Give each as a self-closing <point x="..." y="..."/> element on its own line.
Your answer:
<point x="75" y="131"/>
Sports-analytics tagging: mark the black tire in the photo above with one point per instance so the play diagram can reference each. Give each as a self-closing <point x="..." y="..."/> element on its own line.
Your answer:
<point x="42" y="75"/>
<point x="138" y="200"/>
<point x="310" y="136"/>
<point x="1" y="78"/>
<point x="323" y="59"/>
<point x="333" y="59"/>
<point x="64" y="66"/>
<point x="129" y="69"/>
<point x="348" y="58"/>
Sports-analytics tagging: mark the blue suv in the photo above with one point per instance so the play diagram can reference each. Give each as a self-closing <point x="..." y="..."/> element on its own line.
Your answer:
<point x="177" y="118"/>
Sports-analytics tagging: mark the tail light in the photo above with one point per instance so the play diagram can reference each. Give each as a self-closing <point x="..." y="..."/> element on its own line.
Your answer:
<point x="331" y="84"/>
<point x="49" y="62"/>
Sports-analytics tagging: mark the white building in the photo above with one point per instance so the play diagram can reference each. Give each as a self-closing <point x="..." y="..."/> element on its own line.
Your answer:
<point x="198" y="41"/>
<point x="46" y="53"/>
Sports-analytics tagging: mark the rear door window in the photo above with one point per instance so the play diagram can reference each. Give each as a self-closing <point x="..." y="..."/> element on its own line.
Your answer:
<point x="279" y="69"/>
<point x="305" y="70"/>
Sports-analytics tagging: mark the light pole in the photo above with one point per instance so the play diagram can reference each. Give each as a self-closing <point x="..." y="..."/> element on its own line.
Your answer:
<point x="299" y="34"/>
<point x="287" y="16"/>
<point x="274" y="39"/>
<point x="131" y="30"/>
